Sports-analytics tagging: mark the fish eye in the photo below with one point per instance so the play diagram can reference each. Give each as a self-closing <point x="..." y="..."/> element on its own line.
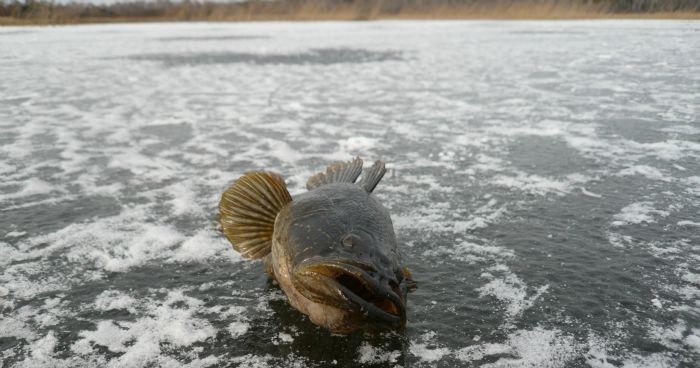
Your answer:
<point x="350" y="240"/>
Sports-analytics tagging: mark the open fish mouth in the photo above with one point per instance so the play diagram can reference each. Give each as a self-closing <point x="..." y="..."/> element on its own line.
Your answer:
<point x="352" y="286"/>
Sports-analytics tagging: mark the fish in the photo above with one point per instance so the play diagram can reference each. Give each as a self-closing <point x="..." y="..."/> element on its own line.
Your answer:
<point x="332" y="249"/>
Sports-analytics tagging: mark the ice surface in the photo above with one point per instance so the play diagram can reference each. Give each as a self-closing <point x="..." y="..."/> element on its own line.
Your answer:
<point x="542" y="178"/>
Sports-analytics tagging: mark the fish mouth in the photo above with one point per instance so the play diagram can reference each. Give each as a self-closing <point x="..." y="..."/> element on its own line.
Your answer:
<point x="352" y="286"/>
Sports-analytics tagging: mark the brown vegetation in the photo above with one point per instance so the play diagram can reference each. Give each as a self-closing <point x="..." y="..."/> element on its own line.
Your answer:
<point x="46" y="12"/>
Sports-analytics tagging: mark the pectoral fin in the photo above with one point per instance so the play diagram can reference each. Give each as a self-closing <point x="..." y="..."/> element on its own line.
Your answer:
<point x="248" y="209"/>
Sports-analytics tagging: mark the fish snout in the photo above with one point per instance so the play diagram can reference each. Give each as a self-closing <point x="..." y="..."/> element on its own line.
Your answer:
<point x="355" y="287"/>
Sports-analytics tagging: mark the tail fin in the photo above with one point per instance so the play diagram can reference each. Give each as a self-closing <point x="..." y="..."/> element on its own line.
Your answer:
<point x="248" y="209"/>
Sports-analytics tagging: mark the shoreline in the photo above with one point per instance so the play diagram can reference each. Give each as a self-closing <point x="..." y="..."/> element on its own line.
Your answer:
<point x="10" y="22"/>
<point x="48" y="13"/>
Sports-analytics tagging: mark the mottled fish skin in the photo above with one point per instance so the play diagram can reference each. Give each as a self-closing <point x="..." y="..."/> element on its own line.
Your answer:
<point x="332" y="250"/>
<point x="337" y="223"/>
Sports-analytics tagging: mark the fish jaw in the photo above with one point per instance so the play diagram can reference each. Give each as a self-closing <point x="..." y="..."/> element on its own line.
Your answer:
<point x="366" y="300"/>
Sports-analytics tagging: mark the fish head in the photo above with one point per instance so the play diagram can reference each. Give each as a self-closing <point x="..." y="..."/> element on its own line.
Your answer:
<point x="344" y="256"/>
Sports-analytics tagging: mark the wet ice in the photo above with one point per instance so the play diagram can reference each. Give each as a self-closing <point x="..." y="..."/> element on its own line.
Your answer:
<point x="542" y="181"/>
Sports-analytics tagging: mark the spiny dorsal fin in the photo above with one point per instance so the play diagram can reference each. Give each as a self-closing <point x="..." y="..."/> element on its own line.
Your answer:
<point x="248" y="209"/>
<point x="371" y="177"/>
<point x="339" y="172"/>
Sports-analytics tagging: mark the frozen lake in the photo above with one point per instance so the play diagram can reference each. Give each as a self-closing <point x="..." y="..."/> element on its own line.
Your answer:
<point x="544" y="183"/>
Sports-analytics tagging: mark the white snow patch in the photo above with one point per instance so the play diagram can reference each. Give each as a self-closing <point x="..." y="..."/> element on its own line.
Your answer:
<point x="14" y="234"/>
<point x="618" y="240"/>
<point x="42" y="352"/>
<point x="144" y="167"/>
<point x="255" y="361"/>
<point x="590" y="194"/>
<point x="368" y="354"/>
<point x="597" y="355"/>
<point x="6" y="168"/>
<point x="670" y="337"/>
<point x="357" y="145"/>
<point x="655" y="360"/>
<point x="539" y="185"/>
<point x="285" y="337"/>
<point x="637" y="213"/>
<point x="525" y="348"/>
<point x="683" y="129"/>
<point x="170" y="321"/>
<point x="469" y="252"/>
<point x="693" y="340"/>
<point x="184" y="200"/>
<point x="275" y="149"/>
<point x="693" y="278"/>
<point x="15" y="326"/>
<point x="203" y="245"/>
<point x="511" y="290"/>
<point x="114" y="299"/>
<point x="238" y="328"/>
<point x="481" y="217"/>
<point x="693" y="183"/>
<point x="427" y="349"/>
<point x="679" y="167"/>
<point x="131" y="239"/>
<point x="645" y="171"/>
<point x="31" y="186"/>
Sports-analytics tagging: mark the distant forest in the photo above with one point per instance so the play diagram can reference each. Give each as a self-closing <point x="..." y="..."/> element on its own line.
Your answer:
<point x="49" y="12"/>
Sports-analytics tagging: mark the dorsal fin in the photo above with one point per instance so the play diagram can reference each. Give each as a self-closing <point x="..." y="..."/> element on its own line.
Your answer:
<point x="339" y="172"/>
<point x="371" y="177"/>
<point x="248" y="209"/>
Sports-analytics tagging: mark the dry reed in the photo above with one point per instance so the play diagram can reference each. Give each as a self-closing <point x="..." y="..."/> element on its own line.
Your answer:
<point x="44" y="12"/>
